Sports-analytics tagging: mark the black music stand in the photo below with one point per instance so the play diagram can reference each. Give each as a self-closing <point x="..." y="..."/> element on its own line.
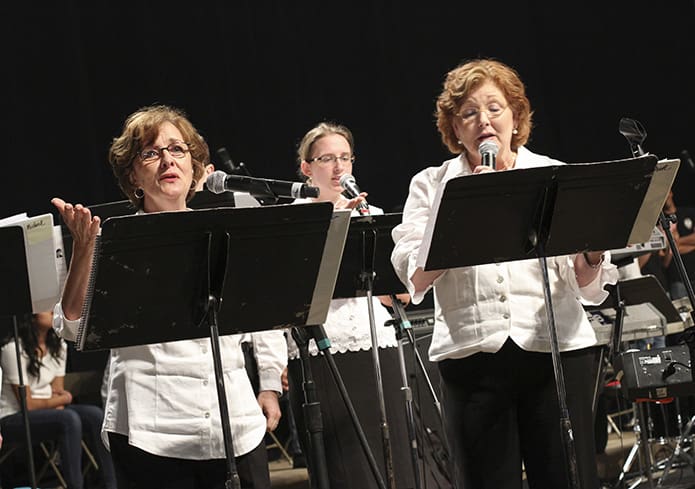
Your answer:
<point x="16" y="302"/>
<point x="366" y="269"/>
<point x="162" y="277"/>
<point x="637" y="291"/>
<point x="543" y="212"/>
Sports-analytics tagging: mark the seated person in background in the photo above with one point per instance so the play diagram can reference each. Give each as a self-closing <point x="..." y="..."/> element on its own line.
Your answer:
<point x="52" y="416"/>
<point x="685" y="240"/>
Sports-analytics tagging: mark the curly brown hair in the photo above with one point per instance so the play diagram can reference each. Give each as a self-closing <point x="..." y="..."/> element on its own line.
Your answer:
<point x="140" y="130"/>
<point x="467" y="77"/>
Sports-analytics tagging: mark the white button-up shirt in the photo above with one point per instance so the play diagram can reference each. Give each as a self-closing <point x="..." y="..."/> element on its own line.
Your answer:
<point x="477" y="308"/>
<point x="163" y="397"/>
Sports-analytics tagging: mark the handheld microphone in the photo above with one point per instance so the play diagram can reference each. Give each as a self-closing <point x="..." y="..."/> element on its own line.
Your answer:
<point x="488" y="150"/>
<point x="219" y="182"/>
<point x="349" y="184"/>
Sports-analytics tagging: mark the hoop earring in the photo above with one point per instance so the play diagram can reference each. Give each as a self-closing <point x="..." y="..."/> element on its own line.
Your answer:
<point x="194" y="183"/>
<point x="139" y="193"/>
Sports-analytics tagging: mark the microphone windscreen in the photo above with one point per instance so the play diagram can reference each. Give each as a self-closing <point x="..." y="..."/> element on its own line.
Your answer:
<point x="488" y="147"/>
<point x="215" y="182"/>
<point x="349" y="184"/>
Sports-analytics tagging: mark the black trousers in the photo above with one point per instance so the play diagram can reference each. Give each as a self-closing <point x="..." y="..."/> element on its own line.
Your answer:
<point x="137" y="469"/>
<point x="501" y="409"/>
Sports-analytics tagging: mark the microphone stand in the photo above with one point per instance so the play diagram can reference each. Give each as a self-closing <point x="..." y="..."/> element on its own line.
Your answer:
<point x="367" y="276"/>
<point x="312" y="410"/>
<point x="635" y="134"/>
<point x="403" y="325"/>
<point x="385" y="435"/>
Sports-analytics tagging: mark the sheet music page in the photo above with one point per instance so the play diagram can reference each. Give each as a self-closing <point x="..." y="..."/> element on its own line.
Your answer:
<point x="429" y="228"/>
<point x="41" y="263"/>
<point x="662" y="180"/>
<point x="8" y="221"/>
<point x="330" y="265"/>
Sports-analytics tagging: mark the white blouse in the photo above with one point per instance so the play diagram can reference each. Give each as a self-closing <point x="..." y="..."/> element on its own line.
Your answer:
<point x="40" y="387"/>
<point x="347" y="324"/>
<point x="163" y="396"/>
<point x="477" y="308"/>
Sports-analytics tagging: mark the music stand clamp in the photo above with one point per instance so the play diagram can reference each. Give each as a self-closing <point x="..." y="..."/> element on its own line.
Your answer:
<point x="542" y="212"/>
<point x="16" y="302"/>
<point x="227" y="259"/>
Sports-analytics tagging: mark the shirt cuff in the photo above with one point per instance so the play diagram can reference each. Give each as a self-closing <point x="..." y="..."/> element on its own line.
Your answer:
<point x="270" y="380"/>
<point x="65" y="328"/>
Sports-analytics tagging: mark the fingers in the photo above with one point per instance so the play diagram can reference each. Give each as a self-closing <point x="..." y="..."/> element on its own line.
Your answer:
<point x="273" y="419"/>
<point x="78" y="218"/>
<point x="285" y="380"/>
<point x="268" y="400"/>
<point x="354" y="202"/>
<point x="482" y="169"/>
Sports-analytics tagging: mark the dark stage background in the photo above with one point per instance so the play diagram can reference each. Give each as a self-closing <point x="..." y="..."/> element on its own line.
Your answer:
<point x="255" y="75"/>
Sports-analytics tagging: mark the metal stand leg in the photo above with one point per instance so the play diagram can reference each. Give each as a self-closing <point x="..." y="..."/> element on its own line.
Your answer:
<point x="640" y="450"/>
<point x="312" y="411"/>
<point x="679" y="451"/>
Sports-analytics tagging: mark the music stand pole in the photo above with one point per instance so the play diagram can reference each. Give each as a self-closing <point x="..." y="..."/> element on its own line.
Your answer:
<point x="312" y="410"/>
<point x="233" y="481"/>
<point x="565" y="423"/>
<point x="23" y="406"/>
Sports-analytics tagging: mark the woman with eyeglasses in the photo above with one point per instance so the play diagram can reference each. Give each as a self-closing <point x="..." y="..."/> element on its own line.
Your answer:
<point x="325" y="154"/>
<point x="162" y="418"/>
<point x="490" y="336"/>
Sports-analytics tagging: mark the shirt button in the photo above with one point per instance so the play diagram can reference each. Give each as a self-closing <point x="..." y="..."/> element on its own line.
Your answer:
<point x="205" y="382"/>
<point x="207" y="415"/>
<point x="503" y="298"/>
<point x="205" y="350"/>
<point x="505" y="315"/>
<point x="500" y="280"/>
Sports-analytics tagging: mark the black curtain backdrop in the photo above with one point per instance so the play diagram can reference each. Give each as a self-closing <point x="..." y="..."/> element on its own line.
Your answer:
<point x="254" y="76"/>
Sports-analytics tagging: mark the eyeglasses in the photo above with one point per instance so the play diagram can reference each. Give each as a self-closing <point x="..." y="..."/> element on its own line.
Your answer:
<point x="328" y="159"/>
<point x="177" y="150"/>
<point x="493" y="111"/>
